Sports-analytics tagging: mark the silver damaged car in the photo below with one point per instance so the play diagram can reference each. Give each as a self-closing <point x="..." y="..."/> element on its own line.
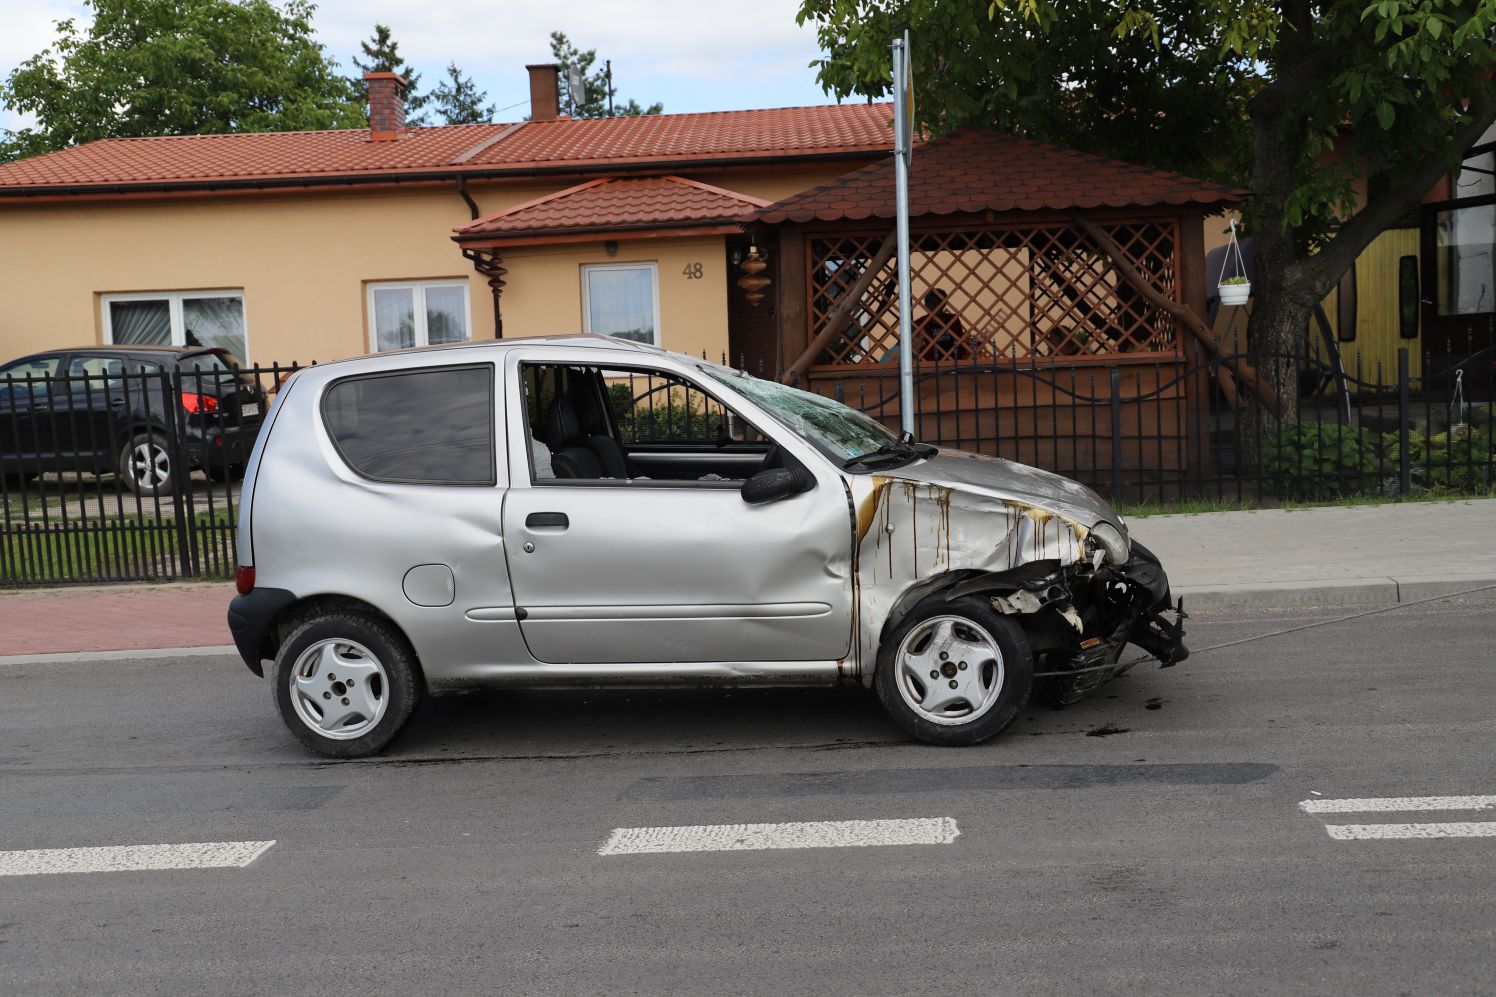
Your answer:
<point x="588" y="511"/>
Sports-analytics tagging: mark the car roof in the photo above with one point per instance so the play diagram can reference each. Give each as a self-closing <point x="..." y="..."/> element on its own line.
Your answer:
<point x="579" y="339"/>
<point x="124" y="351"/>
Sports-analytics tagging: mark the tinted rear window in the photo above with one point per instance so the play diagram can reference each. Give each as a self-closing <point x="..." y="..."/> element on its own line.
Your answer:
<point x="429" y="426"/>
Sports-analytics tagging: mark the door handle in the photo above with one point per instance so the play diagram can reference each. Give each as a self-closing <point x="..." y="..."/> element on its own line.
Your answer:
<point x="552" y="519"/>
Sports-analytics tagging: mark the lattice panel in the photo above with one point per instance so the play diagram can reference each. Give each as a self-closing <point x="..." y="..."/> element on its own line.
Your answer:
<point x="987" y="295"/>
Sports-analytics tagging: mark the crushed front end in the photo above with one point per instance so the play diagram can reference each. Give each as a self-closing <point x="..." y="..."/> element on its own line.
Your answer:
<point x="1080" y="619"/>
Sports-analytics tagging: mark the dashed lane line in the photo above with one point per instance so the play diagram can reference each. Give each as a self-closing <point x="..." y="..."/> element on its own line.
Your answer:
<point x="1371" y="832"/>
<point x="798" y="834"/>
<point x="1392" y="804"/>
<point x="133" y="858"/>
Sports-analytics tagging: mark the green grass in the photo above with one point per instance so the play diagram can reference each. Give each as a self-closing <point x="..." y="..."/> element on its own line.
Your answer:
<point x="1184" y="507"/>
<point x="113" y="548"/>
<point x="1193" y="506"/>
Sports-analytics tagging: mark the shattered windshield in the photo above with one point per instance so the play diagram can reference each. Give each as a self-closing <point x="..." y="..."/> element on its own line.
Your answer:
<point x="842" y="433"/>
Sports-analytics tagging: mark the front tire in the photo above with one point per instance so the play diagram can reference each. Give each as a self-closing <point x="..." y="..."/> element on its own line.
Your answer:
<point x="345" y="684"/>
<point x="954" y="672"/>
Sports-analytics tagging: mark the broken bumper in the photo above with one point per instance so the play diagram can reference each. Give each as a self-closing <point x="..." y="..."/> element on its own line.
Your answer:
<point x="1111" y="607"/>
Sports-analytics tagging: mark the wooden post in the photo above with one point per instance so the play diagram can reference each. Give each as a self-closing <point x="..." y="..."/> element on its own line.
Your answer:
<point x="790" y="298"/>
<point x="838" y="315"/>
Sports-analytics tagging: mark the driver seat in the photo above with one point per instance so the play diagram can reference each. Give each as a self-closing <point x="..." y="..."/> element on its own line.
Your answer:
<point x="575" y="453"/>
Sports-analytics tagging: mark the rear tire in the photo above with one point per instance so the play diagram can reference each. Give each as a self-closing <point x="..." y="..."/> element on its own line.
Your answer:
<point x="954" y="672"/>
<point x="146" y="463"/>
<point x="345" y="683"/>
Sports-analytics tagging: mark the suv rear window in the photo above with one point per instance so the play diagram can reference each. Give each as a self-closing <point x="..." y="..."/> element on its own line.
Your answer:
<point x="416" y="427"/>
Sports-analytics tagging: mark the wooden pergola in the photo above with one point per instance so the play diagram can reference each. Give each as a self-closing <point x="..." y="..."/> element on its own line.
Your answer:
<point x="1022" y="255"/>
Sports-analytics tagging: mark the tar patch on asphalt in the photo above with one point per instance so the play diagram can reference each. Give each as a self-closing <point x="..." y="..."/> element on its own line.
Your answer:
<point x="1107" y="730"/>
<point x="879" y="782"/>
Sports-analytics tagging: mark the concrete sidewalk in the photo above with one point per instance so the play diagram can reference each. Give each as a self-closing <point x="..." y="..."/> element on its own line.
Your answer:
<point x="1356" y="555"/>
<point x="1361" y="555"/>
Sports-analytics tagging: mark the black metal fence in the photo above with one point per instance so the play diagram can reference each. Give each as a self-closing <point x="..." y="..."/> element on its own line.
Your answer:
<point x="1159" y="431"/>
<point x="120" y="469"/>
<point x="131" y="473"/>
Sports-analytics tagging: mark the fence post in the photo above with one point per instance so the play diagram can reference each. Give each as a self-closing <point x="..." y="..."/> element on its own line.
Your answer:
<point x="1404" y="459"/>
<point x="181" y="494"/>
<point x="1116" y="436"/>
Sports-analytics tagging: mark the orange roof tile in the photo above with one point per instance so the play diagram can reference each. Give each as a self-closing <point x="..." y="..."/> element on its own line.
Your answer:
<point x="167" y="161"/>
<point x="793" y="131"/>
<point x="974" y="171"/>
<point x="613" y="205"/>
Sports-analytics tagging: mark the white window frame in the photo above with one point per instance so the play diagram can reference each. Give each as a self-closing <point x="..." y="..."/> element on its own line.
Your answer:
<point x="652" y="266"/>
<point x="418" y="300"/>
<point x="174" y="301"/>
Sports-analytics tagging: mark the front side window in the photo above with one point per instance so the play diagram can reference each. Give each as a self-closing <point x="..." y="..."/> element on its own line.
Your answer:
<point x="655" y="408"/>
<point x="622" y="300"/>
<point x="428" y="313"/>
<point x="211" y="319"/>
<point x="415" y="427"/>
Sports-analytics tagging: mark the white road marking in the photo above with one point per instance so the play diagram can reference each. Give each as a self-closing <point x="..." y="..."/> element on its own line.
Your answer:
<point x="133" y="858"/>
<point x="1369" y="832"/>
<point x="798" y="834"/>
<point x="1398" y="803"/>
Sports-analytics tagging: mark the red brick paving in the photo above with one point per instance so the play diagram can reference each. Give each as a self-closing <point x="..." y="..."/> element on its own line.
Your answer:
<point x="114" y="618"/>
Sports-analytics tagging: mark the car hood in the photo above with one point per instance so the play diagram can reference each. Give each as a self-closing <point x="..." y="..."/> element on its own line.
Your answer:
<point x="994" y="477"/>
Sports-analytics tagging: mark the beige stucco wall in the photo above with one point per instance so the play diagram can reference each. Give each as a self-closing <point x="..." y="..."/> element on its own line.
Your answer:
<point x="304" y="263"/>
<point x="544" y="296"/>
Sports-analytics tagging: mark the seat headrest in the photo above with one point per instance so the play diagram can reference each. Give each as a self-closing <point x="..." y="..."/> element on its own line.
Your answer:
<point x="562" y="427"/>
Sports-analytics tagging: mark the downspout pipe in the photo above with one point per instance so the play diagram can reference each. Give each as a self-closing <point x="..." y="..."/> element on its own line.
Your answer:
<point x="495" y="289"/>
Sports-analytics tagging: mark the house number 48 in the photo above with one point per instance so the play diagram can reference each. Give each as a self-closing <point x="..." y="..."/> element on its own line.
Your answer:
<point x="692" y="271"/>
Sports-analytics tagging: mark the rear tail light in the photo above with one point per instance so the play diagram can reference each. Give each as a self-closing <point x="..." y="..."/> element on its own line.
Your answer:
<point x="193" y="402"/>
<point x="244" y="579"/>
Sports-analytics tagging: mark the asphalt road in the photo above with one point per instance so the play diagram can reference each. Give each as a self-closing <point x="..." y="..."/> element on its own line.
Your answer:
<point x="1170" y="859"/>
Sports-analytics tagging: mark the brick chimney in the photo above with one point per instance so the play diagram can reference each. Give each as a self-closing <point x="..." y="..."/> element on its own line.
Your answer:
<point x="386" y="106"/>
<point x="545" y="91"/>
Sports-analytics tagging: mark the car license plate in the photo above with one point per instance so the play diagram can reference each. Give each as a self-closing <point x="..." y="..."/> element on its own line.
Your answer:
<point x="252" y="408"/>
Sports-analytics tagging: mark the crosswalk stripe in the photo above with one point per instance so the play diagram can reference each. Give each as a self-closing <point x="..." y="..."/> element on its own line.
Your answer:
<point x="132" y="858"/>
<point x="799" y="834"/>
<point x="1391" y="804"/>
<point x="1370" y="832"/>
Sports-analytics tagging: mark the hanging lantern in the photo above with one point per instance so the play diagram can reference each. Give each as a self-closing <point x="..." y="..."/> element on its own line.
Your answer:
<point x="753" y="282"/>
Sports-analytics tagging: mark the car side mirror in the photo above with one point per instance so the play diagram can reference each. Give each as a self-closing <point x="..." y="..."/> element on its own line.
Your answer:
<point x="776" y="483"/>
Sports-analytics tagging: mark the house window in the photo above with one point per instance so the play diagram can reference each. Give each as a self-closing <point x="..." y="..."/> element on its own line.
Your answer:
<point x="623" y="300"/>
<point x="418" y="314"/>
<point x="210" y="319"/>
<point x="1465" y="260"/>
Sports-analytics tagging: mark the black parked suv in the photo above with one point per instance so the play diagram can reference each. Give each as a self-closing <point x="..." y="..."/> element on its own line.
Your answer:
<point x="138" y="411"/>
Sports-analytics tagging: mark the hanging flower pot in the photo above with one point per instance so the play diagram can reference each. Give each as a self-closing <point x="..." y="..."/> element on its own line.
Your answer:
<point x="1235" y="290"/>
<point x="1234" y="287"/>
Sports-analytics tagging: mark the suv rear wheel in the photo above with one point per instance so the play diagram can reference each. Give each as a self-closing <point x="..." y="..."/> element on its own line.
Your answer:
<point x="954" y="672"/>
<point x="145" y="461"/>
<point x="345" y="684"/>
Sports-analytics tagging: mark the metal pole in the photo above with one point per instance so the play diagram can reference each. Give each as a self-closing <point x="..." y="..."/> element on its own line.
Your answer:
<point x="1404" y="436"/>
<point x="902" y="141"/>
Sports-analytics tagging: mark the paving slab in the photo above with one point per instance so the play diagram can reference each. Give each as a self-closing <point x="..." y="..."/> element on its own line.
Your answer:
<point x="114" y="617"/>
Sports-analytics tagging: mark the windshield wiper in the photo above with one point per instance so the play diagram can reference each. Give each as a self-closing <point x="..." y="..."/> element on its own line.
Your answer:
<point x="890" y="453"/>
